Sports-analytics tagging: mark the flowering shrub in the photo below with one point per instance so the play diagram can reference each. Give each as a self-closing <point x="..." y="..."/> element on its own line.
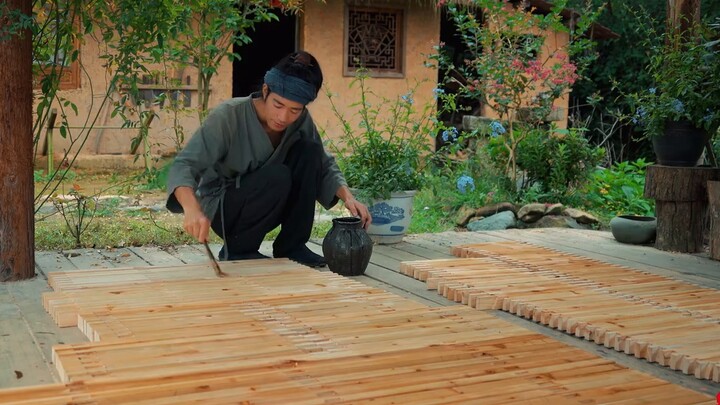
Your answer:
<point x="686" y="76"/>
<point x="381" y="146"/>
<point x="506" y="69"/>
<point x="555" y="165"/>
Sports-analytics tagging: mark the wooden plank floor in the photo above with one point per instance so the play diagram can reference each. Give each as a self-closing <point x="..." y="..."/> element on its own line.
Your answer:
<point x="26" y="341"/>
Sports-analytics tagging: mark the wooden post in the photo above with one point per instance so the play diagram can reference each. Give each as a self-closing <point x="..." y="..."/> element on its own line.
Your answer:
<point x="713" y="188"/>
<point x="17" y="226"/>
<point x="680" y="195"/>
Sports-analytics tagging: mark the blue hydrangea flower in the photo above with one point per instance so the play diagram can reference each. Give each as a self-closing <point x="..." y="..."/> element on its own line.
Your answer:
<point x="640" y="115"/>
<point x="437" y="92"/>
<point x="709" y="115"/>
<point x="450" y="135"/>
<point x="677" y="105"/>
<point x="465" y="183"/>
<point x="652" y="90"/>
<point x="407" y="98"/>
<point x="496" y="129"/>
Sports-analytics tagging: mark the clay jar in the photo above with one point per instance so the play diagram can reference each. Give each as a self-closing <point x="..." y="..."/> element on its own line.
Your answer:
<point x="347" y="247"/>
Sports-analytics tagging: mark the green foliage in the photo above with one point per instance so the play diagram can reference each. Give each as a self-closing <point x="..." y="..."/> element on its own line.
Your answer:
<point x="505" y="68"/>
<point x="619" y="190"/>
<point x="208" y="31"/>
<point x="155" y="179"/>
<point x="429" y="215"/>
<point x="126" y="31"/>
<point x="14" y="22"/>
<point x="107" y="207"/>
<point x="39" y="176"/>
<point x="466" y="180"/>
<point x="685" y="73"/>
<point x="78" y="210"/>
<point x="135" y="228"/>
<point x="596" y="101"/>
<point x="381" y="148"/>
<point x="555" y="162"/>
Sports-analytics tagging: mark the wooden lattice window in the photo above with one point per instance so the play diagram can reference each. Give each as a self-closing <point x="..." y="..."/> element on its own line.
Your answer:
<point x="53" y="53"/>
<point x="374" y="41"/>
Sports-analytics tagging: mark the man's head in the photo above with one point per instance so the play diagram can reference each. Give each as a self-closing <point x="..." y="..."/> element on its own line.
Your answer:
<point x="289" y="86"/>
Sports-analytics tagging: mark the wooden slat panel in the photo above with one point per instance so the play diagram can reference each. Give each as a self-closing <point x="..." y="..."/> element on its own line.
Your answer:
<point x="662" y="291"/>
<point x="648" y="316"/>
<point x="79" y="279"/>
<point x="295" y="335"/>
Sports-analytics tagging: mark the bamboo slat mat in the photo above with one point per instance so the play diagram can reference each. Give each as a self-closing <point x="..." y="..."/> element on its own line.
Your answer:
<point x="666" y="321"/>
<point x="636" y="284"/>
<point x="292" y="335"/>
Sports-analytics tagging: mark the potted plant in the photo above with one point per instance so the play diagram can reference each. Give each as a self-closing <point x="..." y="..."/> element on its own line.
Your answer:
<point x="381" y="153"/>
<point x="681" y="110"/>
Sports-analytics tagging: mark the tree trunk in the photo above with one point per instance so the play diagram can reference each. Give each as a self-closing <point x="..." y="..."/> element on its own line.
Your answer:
<point x="681" y="14"/>
<point x="17" y="227"/>
<point x="681" y="197"/>
<point x="714" y="202"/>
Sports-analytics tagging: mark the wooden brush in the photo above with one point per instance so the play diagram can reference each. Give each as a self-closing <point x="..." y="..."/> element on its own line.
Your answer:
<point x="213" y="261"/>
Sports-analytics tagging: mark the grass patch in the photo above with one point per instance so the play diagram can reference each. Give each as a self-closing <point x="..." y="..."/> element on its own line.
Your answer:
<point x="112" y="226"/>
<point x="130" y="228"/>
<point x="428" y="215"/>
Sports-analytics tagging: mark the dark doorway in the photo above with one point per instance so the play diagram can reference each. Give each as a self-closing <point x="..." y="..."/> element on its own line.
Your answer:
<point x="456" y="51"/>
<point x="270" y="42"/>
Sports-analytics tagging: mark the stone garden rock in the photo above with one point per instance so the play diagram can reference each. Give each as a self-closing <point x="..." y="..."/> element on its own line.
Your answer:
<point x="493" y="209"/>
<point x="554" y="209"/>
<point x="535" y="215"/>
<point x="465" y="213"/>
<point x="531" y="212"/>
<point x="497" y="222"/>
<point x="580" y="216"/>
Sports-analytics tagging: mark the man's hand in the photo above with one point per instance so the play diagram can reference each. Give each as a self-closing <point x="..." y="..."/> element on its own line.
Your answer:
<point x="195" y="222"/>
<point x="197" y="225"/>
<point x="356" y="208"/>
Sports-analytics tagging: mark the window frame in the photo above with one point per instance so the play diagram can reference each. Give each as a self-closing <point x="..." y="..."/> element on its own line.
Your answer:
<point x="400" y="39"/>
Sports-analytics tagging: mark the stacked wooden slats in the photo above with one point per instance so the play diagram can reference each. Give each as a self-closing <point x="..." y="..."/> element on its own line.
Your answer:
<point x="286" y="334"/>
<point x="670" y="322"/>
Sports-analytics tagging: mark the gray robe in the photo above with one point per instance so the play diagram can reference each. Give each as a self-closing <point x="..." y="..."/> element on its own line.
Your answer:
<point x="232" y="143"/>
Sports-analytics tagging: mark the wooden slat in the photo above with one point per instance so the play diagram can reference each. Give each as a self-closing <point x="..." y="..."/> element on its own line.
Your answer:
<point x="661" y="320"/>
<point x="635" y="284"/>
<point x="79" y="279"/>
